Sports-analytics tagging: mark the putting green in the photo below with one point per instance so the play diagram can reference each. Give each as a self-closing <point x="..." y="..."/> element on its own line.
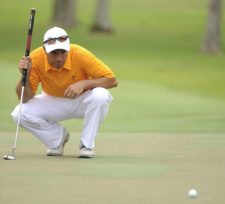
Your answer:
<point x="128" y="168"/>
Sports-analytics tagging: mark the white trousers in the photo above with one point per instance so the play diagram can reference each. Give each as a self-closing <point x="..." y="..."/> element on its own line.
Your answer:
<point x="41" y="115"/>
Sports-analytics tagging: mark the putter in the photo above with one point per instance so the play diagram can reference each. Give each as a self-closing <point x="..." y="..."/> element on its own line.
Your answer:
<point x="23" y="83"/>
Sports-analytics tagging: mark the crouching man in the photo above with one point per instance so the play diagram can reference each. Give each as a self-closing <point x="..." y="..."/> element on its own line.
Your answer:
<point x="74" y="85"/>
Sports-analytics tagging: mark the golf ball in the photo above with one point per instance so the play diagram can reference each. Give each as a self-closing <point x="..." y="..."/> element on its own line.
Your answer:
<point x="192" y="193"/>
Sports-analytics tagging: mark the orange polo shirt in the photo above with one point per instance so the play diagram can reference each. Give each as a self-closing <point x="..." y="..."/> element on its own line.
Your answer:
<point x="80" y="65"/>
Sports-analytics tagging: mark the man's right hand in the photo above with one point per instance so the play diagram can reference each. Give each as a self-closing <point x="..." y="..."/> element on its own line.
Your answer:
<point x="25" y="63"/>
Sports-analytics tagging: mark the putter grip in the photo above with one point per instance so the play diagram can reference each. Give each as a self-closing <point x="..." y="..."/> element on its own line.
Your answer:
<point x="28" y="45"/>
<point x="24" y="77"/>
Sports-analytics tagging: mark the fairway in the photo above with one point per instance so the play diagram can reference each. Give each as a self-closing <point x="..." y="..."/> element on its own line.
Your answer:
<point x="128" y="168"/>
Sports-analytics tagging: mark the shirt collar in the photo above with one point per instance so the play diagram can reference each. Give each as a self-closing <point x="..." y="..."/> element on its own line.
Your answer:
<point x="66" y="66"/>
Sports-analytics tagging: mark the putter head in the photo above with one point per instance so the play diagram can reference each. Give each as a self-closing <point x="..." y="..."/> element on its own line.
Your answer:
<point x="9" y="157"/>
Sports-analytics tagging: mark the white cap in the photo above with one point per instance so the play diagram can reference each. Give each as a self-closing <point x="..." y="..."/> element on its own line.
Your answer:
<point x="55" y="33"/>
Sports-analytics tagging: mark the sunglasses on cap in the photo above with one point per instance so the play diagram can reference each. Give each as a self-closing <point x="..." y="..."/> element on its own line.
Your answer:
<point x="52" y="41"/>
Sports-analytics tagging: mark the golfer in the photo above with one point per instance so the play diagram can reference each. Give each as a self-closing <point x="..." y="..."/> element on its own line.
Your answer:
<point x="74" y="85"/>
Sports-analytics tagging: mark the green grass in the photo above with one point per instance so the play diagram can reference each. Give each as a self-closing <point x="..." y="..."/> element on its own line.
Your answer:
<point x="165" y="130"/>
<point x="129" y="168"/>
<point x="165" y="82"/>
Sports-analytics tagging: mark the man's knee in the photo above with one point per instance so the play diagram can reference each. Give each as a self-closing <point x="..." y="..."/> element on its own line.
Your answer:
<point x="15" y="114"/>
<point x="23" y="113"/>
<point x="101" y="96"/>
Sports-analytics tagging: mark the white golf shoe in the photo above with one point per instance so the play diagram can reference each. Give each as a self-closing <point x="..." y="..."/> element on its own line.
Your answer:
<point x="86" y="152"/>
<point x="59" y="150"/>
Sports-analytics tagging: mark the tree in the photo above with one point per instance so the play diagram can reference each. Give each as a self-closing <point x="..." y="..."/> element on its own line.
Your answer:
<point x="64" y="13"/>
<point x="212" y="36"/>
<point x="102" y="21"/>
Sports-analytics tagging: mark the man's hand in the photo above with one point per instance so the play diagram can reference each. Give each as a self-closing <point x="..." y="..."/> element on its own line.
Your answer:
<point x="78" y="88"/>
<point x="75" y="90"/>
<point x="25" y="63"/>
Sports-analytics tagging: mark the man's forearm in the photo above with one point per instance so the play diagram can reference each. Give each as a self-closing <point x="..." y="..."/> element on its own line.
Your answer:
<point x="28" y="94"/>
<point x="101" y="82"/>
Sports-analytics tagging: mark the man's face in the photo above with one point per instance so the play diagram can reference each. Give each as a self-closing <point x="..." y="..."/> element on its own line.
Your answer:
<point x="57" y="58"/>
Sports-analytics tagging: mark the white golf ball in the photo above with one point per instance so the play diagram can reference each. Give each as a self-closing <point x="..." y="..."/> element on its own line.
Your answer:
<point x="192" y="193"/>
